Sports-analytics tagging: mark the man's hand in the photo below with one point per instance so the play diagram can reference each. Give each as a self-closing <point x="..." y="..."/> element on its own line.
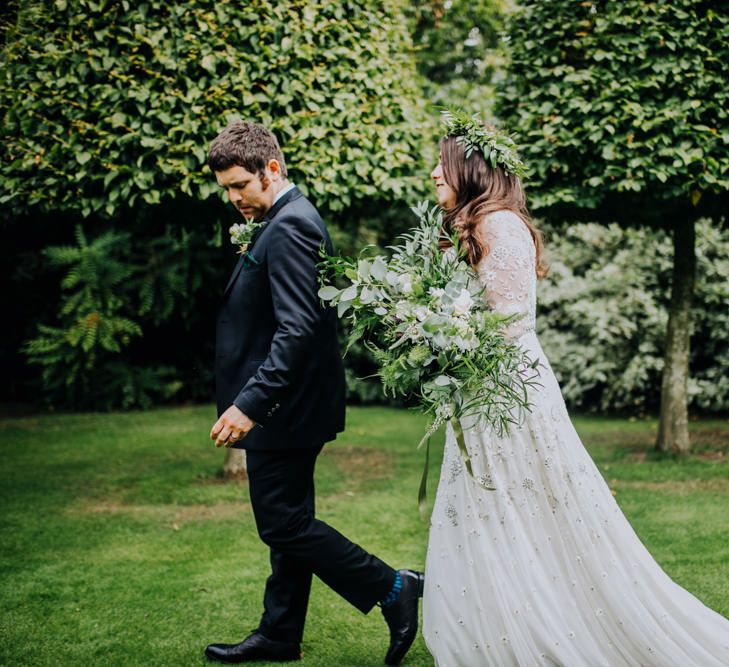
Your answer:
<point x="231" y="427"/>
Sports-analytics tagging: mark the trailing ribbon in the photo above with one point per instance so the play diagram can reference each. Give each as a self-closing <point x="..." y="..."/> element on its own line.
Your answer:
<point x="248" y="259"/>
<point x="423" y="491"/>
<point x="461" y="441"/>
<point x="458" y="431"/>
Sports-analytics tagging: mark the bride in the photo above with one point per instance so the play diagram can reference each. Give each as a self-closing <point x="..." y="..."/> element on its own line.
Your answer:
<point x="545" y="570"/>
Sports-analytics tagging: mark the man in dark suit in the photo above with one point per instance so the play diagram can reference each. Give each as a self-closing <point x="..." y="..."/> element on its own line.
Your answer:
<point x="280" y="395"/>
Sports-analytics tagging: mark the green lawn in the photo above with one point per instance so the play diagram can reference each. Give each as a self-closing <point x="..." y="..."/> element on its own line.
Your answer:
<point x="120" y="545"/>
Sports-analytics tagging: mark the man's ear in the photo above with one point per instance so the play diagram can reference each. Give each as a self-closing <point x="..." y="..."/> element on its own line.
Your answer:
<point x="275" y="169"/>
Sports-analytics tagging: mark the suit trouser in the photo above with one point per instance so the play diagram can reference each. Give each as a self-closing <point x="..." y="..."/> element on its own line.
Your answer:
<point x="281" y="486"/>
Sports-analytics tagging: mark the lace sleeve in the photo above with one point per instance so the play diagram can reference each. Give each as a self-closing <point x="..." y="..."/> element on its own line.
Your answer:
<point x="508" y="271"/>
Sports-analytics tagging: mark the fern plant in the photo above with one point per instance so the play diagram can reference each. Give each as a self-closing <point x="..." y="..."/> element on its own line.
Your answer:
<point x="167" y="271"/>
<point x="92" y="320"/>
<point x="114" y="286"/>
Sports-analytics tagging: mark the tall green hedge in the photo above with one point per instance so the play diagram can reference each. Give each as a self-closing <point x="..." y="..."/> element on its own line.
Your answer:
<point x="108" y="105"/>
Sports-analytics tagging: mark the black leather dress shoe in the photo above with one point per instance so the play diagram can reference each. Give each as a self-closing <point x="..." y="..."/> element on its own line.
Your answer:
<point x="402" y="616"/>
<point x="253" y="648"/>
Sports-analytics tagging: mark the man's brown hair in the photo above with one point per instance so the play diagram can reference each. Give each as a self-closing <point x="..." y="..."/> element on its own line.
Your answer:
<point x="247" y="145"/>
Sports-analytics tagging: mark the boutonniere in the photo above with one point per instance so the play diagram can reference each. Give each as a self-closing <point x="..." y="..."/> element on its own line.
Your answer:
<point x="241" y="234"/>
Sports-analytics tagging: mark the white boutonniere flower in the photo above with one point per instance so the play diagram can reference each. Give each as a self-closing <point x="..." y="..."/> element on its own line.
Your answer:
<point x="241" y="234"/>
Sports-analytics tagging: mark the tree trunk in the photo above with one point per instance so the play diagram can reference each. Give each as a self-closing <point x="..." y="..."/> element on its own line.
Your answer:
<point x="673" y="435"/>
<point x="235" y="464"/>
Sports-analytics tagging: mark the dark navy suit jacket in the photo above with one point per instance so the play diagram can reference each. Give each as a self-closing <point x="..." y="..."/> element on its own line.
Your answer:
<point x="277" y="355"/>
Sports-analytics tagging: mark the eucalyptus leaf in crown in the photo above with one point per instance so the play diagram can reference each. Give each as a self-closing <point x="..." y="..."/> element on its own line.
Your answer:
<point x="422" y="313"/>
<point x="496" y="146"/>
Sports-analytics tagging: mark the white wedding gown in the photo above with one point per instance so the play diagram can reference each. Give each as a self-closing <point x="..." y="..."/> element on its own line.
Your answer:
<point x="546" y="570"/>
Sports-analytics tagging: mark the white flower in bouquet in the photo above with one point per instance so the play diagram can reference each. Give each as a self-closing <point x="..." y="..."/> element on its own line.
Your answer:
<point x="405" y="282"/>
<point x="462" y="303"/>
<point x="422" y="313"/>
<point x="403" y="310"/>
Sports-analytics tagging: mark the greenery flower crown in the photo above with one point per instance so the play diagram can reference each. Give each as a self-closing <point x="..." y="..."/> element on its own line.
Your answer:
<point x="497" y="147"/>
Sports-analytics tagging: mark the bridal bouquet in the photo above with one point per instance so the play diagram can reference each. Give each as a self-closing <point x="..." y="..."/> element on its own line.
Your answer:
<point x="422" y="314"/>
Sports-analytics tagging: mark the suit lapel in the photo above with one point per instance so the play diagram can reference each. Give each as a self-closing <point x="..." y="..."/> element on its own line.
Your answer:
<point x="234" y="275"/>
<point x="292" y="194"/>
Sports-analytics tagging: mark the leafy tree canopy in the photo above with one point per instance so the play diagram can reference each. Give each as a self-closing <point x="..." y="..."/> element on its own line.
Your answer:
<point x="108" y="108"/>
<point x="621" y="106"/>
<point x="459" y="50"/>
<point x="453" y="38"/>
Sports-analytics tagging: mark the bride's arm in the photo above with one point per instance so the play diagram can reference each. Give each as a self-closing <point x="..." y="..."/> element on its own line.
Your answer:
<point x="508" y="270"/>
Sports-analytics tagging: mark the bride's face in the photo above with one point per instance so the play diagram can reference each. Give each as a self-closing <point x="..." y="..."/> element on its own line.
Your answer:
<point x="445" y="193"/>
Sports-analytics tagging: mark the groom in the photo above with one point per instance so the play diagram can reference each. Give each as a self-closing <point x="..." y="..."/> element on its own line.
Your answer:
<point x="280" y="394"/>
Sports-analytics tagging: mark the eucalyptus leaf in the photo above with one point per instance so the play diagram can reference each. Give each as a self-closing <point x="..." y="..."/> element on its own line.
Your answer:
<point x="378" y="269"/>
<point x="328" y="292"/>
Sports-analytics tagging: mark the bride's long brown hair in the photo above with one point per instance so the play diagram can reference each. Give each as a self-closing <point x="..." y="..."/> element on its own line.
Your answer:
<point x="480" y="190"/>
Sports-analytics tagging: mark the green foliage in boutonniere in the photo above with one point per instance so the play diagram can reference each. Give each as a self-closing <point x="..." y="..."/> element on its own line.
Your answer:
<point x="241" y="234"/>
<point x="497" y="147"/>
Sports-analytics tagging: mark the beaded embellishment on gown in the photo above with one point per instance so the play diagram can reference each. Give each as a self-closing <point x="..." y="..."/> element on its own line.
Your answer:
<point x="546" y="570"/>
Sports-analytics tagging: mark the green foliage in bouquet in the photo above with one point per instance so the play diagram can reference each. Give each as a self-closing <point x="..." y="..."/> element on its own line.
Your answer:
<point x="422" y="314"/>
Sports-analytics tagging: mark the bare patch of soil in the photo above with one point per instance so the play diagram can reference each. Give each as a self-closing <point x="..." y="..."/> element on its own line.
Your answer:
<point x="360" y="465"/>
<point x="677" y="487"/>
<point x="172" y="515"/>
<point x="220" y="478"/>
<point x="707" y="443"/>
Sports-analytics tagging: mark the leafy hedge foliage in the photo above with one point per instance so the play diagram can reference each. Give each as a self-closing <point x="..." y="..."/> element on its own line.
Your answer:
<point x="603" y="311"/>
<point x="108" y="108"/>
<point x="621" y="107"/>
<point x="111" y="105"/>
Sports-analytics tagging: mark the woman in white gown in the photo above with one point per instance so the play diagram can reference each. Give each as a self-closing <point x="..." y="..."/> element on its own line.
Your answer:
<point x="545" y="570"/>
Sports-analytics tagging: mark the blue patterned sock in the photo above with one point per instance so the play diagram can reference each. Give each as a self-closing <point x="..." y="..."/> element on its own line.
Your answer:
<point x="394" y="592"/>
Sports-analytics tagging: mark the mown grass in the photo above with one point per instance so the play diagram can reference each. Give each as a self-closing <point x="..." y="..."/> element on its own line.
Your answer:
<point x="121" y="546"/>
